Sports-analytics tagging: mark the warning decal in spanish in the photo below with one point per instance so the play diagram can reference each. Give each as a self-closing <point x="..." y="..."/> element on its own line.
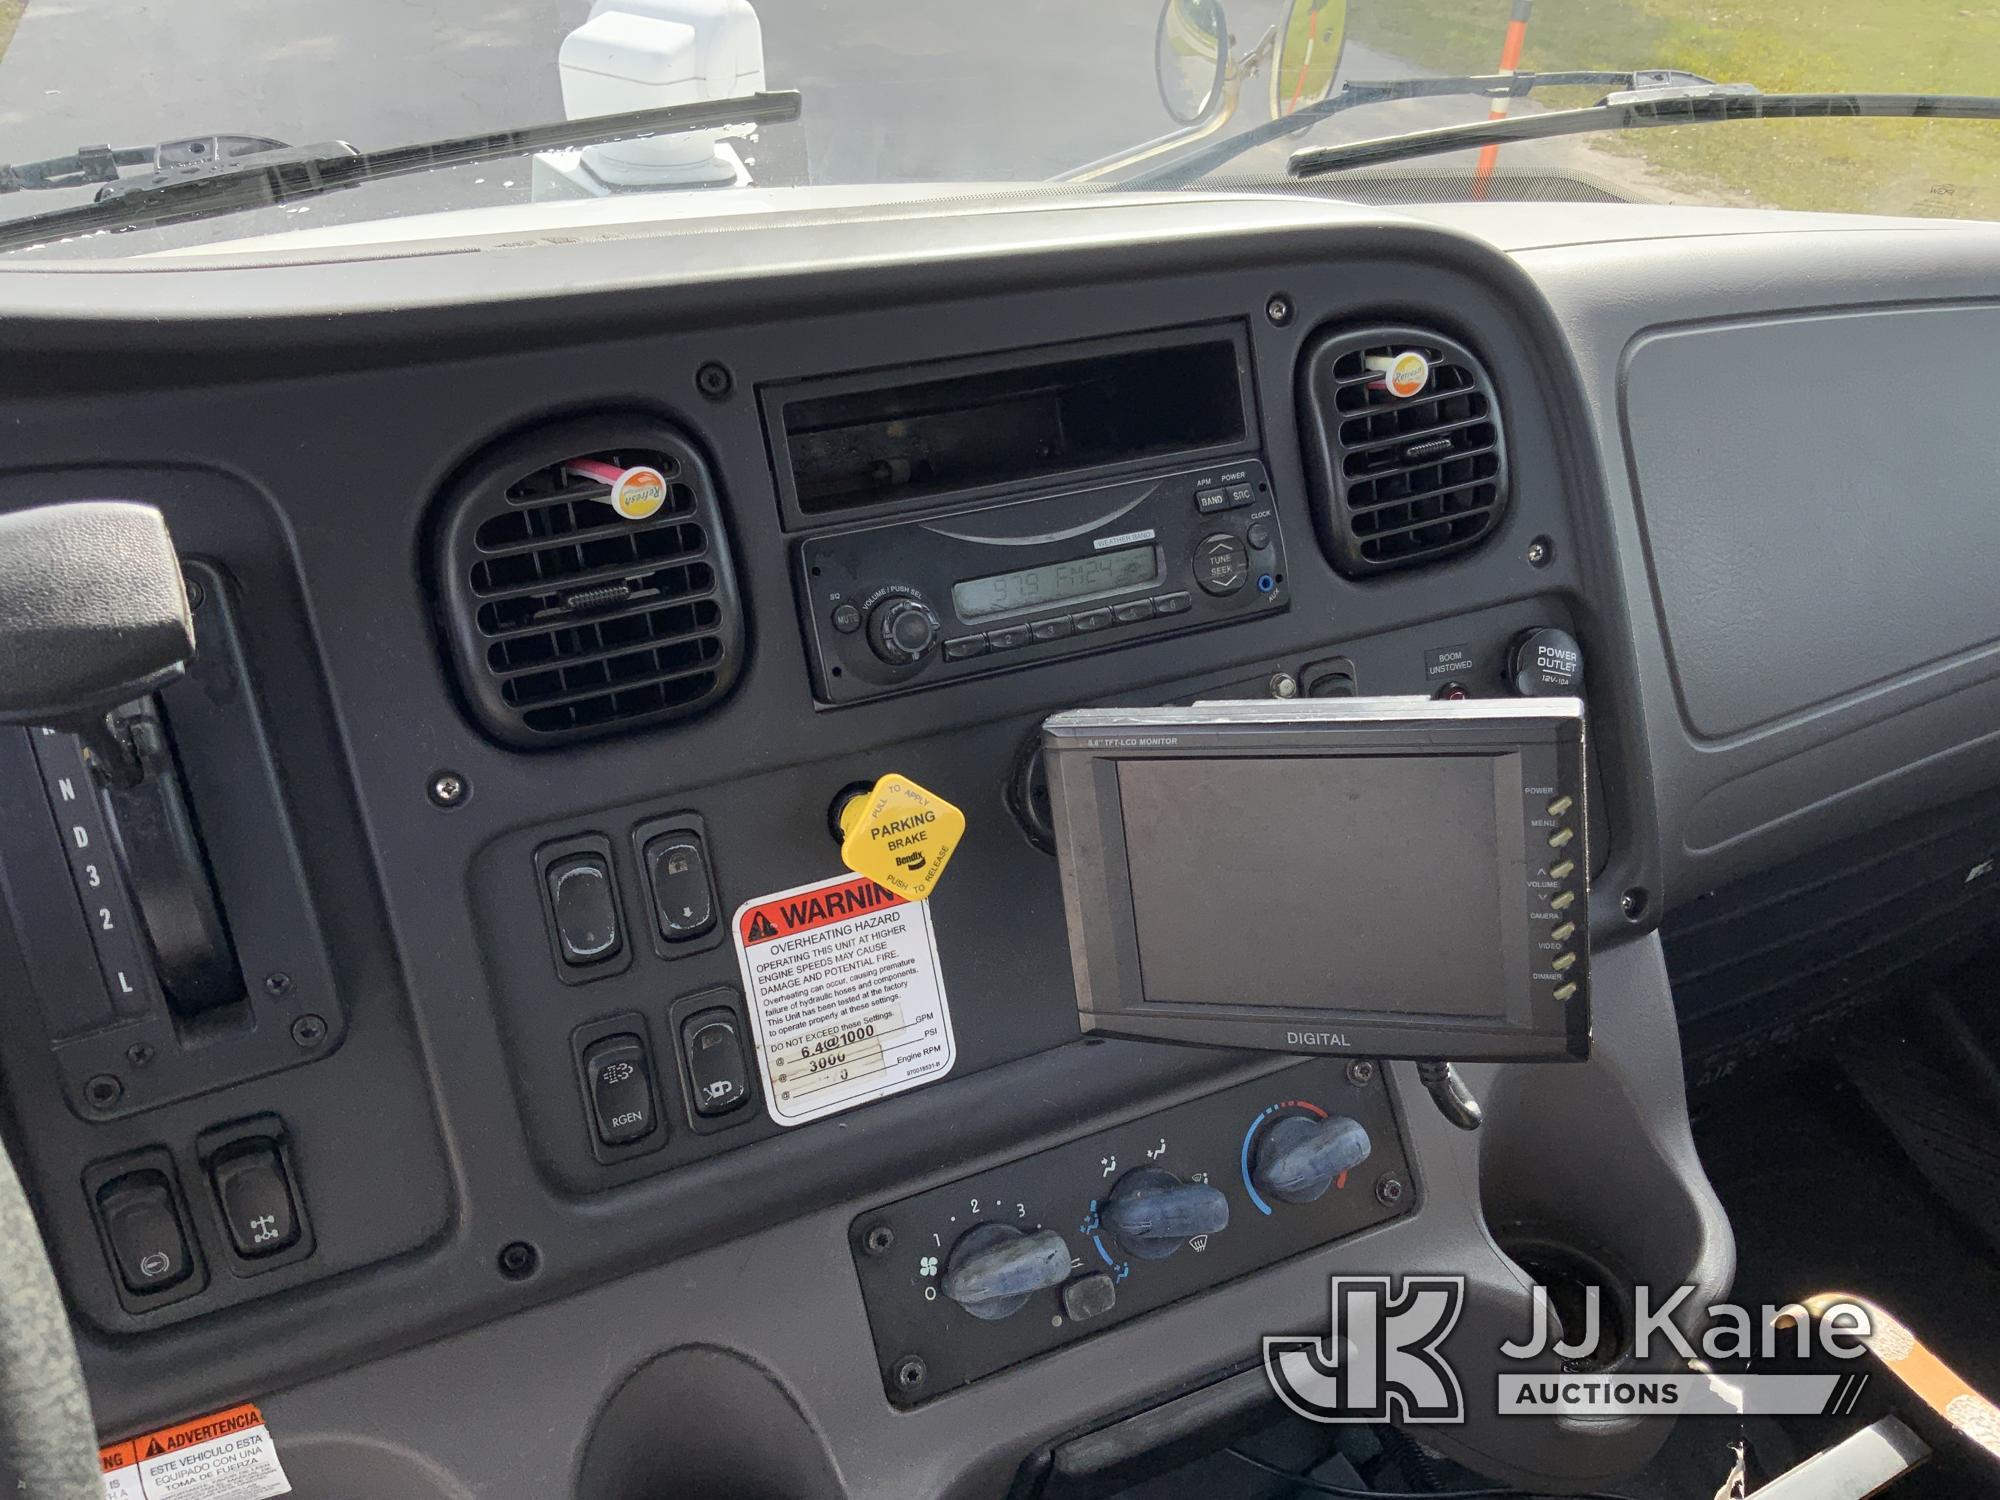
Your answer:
<point x="227" y="1455"/>
<point x="846" y="997"/>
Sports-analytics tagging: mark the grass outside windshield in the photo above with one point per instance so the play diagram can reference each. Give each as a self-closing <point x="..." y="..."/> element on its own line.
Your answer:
<point x="1941" y="168"/>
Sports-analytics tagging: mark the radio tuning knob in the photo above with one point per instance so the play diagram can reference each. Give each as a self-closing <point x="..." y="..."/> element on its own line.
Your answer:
<point x="902" y="630"/>
<point x="1151" y="1213"/>
<point x="994" y="1269"/>
<point x="1298" y="1158"/>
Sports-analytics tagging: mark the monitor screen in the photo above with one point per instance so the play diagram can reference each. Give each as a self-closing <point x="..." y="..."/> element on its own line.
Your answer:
<point x="1398" y="874"/>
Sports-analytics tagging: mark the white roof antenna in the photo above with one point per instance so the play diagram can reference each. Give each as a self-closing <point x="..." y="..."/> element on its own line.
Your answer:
<point x="646" y="54"/>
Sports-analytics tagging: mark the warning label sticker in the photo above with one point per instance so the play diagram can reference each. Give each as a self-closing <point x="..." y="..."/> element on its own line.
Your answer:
<point x="846" y="997"/>
<point x="227" y="1455"/>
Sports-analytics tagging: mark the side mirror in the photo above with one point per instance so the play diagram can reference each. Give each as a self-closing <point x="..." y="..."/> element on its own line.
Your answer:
<point x="1310" y="39"/>
<point x="1191" y="58"/>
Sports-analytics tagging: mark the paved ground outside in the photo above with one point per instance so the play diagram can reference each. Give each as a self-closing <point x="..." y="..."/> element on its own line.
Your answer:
<point x="896" y="90"/>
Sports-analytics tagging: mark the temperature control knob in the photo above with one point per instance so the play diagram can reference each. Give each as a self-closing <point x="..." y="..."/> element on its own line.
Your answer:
<point x="993" y="1269"/>
<point x="1151" y="1213"/>
<point x="902" y="630"/>
<point x="1299" y="1157"/>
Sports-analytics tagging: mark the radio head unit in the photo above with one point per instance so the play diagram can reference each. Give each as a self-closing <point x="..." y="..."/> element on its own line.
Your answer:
<point x="1390" y="877"/>
<point x="902" y="605"/>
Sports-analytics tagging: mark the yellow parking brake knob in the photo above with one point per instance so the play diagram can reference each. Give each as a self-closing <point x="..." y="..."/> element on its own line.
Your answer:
<point x="900" y="836"/>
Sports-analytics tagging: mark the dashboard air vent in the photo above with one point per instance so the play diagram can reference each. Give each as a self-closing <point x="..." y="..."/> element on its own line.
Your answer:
<point x="1400" y="480"/>
<point x="566" y="620"/>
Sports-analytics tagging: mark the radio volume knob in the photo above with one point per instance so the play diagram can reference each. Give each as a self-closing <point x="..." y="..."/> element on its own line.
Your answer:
<point x="902" y="630"/>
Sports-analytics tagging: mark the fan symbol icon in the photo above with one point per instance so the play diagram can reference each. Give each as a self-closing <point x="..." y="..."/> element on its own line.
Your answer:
<point x="927" y="1266"/>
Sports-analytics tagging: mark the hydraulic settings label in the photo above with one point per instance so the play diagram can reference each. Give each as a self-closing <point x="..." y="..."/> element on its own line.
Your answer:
<point x="846" y="997"/>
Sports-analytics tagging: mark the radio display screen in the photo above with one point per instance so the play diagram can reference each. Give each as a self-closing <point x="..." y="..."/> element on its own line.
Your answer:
<point x="1371" y="882"/>
<point x="1056" y="583"/>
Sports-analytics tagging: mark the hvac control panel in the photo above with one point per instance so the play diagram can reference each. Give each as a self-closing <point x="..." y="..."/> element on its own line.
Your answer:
<point x="1024" y="1258"/>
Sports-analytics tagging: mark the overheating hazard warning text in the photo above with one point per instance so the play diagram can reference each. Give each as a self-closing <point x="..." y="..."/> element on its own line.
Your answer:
<point x="227" y="1455"/>
<point x="847" y="1001"/>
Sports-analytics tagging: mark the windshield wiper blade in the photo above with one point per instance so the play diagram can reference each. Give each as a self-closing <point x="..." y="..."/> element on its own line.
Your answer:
<point x="187" y="157"/>
<point x="1353" y="95"/>
<point x="1642" y="110"/>
<point x="287" y="178"/>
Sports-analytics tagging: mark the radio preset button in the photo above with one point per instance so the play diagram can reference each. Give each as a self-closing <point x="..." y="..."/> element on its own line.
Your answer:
<point x="1051" y="630"/>
<point x="1008" y="638"/>
<point x="1132" y="613"/>
<point x="964" y="646"/>
<point x="1090" y="619"/>
<point x="1208" y="502"/>
<point x="1221" y="566"/>
<point x="1563" y="871"/>
<point x="1173" y="604"/>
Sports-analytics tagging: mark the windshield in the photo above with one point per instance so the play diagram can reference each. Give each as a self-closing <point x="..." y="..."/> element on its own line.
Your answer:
<point x="1118" y="93"/>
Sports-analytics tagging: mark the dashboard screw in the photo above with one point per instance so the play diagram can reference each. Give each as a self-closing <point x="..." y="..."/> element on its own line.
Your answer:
<point x="1389" y="1191"/>
<point x="276" y="984"/>
<point x="1541" y="552"/>
<point x="878" y="1239"/>
<point x="309" y="1031"/>
<point x="1361" y="1072"/>
<point x="1279" y="310"/>
<point x="910" y="1372"/>
<point x="139" y="1054"/>
<point x="517" y="1261"/>
<point x="103" y="1091"/>
<point x="448" y="789"/>
<point x="1284" y="685"/>
<point x="714" y="381"/>
<point x="197" y="595"/>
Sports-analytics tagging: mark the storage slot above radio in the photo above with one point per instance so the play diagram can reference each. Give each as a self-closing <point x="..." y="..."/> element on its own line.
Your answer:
<point x="885" y="438"/>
